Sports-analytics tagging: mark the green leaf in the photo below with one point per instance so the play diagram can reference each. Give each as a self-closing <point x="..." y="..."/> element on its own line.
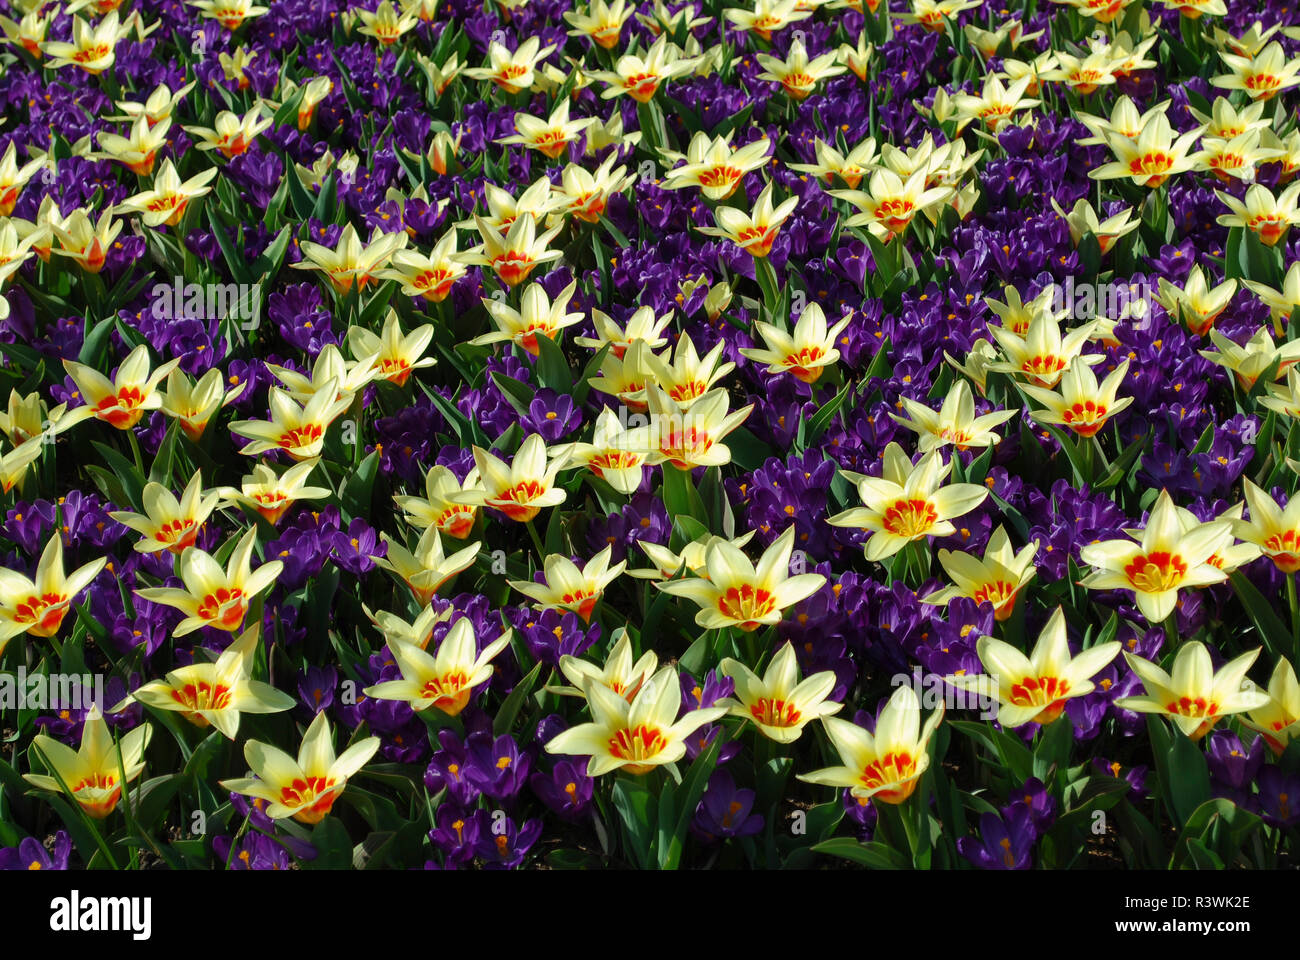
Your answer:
<point x="619" y="237"/>
<point x="131" y="480"/>
<point x="358" y="489"/>
<point x="820" y="420"/>
<point x="876" y="855"/>
<point x="1119" y="469"/>
<point x="152" y="797"/>
<point x="505" y="718"/>
<point x="1272" y="631"/>
<point x="234" y="257"/>
<point x="747" y="451"/>
<point x="1202" y="857"/>
<point x="96" y="339"/>
<point x="694" y="659"/>
<point x="333" y="846"/>
<point x="518" y="393"/>
<point x="1084" y="797"/>
<point x="583" y="386"/>
<point x="686" y="530"/>
<point x="1189" y="776"/>
<point x="197" y="765"/>
<point x="552" y="369"/>
<point x="1007" y="746"/>
<point x="269" y="260"/>
<point x="1053" y="748"/>
<point x="288" y="110"/>
<point x="636" y="808"/>
<point x="161" y="469"/>
<point x="680" y="496"/>
<point x="1205" y="822"/>
<point x="697" y="778"/>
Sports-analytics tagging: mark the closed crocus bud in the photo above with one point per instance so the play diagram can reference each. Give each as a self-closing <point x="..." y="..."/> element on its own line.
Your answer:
<point x="717" y="299"/>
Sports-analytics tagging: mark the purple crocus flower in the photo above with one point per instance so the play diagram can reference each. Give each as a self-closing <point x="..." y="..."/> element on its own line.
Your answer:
<point x="301" y="317"/>
<point x="456" y="834"/>
<point x="1279" y="796"/>
<point x="254" y="851"/>
<point x="862" y="813"/>
<point x="316" y="686"/>
<point x="551" y="634"/>
<point x="1233" y="766"/>
<point x="1034" y="799"/>
<point x="356" y="549"/>
<point x="1004" y="843"/>
<point x="501" y="845"/>
<point x="449" y="769"/>
<point x="496" y="766"/>
<point x="30" y="855"/>
<point x="1136" y="776"/>
<point x="567" y="790"/>
<point x="253" y="808"/>
<point x="28" y="525"/>
<point x="725" y="811"/>
<point x="699" y="696"/>
<point x="551" y="414"/>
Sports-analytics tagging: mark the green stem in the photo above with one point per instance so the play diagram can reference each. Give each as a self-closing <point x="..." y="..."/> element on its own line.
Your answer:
<point x="1295" y="613"/>
<point x="76" y="805"/>
<point x="767" y="282"/>
<point x="910" y="811"/>
<point x="230" y="858"/>
<point x="1101" y="453"/>
<point x="918" y="562"/>
<point x="537" y="541"/>
<point x="135" y="449"/>
<point x="1086" y="470"/>
<point x="131" y="825"/>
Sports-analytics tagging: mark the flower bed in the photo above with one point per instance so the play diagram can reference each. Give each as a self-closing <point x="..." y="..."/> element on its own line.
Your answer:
<point x="528" y="434"/>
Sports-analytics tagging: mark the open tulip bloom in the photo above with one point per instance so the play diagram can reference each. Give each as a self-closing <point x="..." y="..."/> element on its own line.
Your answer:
<point x="619" y="674"/>
<point x="806" y="353"/>
<point x="297" y="429"/>
<point x="885" y="765"/>
<point x="1035" y="688"/>
<point x="1166" y="559"/>
<point x="92" y="775"/>
<point x="634" y="736"/>
<point x="954" y="423"/>
<point x="427" y="568"/>
<point x="444" y="680"/>
<point x="215" y="694"/>
<point x="779" y="705"/>
<point x="567" y="587"/>
<point x="214" y="597"/>
<point x="907" y="503"/>
<point x="736" y="593"/>
<point x="997" y="579"/>
<point x="123" y="400"/>
<point x="168" y="523"/>
<point x="1194" y="696"/>
<point x="37" y="607"/>
<point x="1278" y="721"/>
<point x="518" y="489"/>
<point x="304" y="788"/>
